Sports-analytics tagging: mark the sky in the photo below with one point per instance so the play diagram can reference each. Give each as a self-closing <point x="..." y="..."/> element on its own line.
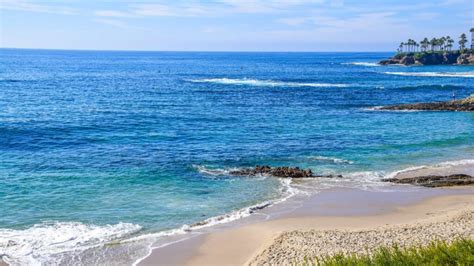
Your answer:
<point x="229" y="25"/>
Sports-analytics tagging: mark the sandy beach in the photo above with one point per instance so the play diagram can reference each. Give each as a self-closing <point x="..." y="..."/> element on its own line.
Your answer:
<point x="337" y="220"/>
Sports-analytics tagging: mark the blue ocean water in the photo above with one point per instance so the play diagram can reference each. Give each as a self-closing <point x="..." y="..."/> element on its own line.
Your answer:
<point x="127" y="143"/>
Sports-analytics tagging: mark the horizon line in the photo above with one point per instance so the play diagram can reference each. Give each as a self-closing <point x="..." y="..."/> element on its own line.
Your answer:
<point x="189" y="51"/>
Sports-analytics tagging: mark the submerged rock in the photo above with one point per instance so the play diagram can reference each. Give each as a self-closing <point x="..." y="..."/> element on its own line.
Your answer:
<point x="459" y="105"/>
<point x="288" y="172"/>
<point x="435" y="180"/>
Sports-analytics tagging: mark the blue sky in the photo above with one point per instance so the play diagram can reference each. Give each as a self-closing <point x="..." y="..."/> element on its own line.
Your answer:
<point x="229" y="25"/>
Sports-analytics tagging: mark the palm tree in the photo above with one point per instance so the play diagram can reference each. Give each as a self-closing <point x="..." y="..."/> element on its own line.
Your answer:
<point x="472" y="38"/>
<point x="400" y="47"/>
<point x="449" y="42"/>
<point x="433" y="43"/>
<point x="424" y="44"/>
<point x="441" y="43"/>
<point x="462" y="42"/>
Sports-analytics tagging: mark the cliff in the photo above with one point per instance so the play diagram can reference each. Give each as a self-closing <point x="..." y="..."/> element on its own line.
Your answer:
<point x="431" y="58"/>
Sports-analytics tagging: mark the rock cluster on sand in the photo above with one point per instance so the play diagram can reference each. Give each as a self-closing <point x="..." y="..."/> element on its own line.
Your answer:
<point x="431" y="58"/>
<point x="435" y="180"/>
<point x="458" y="105"/>
<point x="289" y="172"/>
<point x="298" y="247"/>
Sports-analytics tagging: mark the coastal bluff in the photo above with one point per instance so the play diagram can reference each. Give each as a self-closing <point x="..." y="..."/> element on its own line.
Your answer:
<point x="431" y="58"/>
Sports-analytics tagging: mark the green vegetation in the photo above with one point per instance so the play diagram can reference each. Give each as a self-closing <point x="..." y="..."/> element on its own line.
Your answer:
<point x="459" y="252"/>
<point x="443" y="44"/>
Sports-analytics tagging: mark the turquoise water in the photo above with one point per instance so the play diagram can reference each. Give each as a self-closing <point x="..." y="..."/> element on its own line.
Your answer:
<point x="120" y="144"/>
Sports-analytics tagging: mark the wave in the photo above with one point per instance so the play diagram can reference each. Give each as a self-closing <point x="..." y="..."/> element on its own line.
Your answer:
<point x="286" y="191"/>
<point x="214" y="171"/>
<point x="330" y="159"/>
<point x="265" y="83"/>
<point x="10" y="80"/>
<point x="367" y="64"/>
<point x="438" y="165"/>
<point x="434" y="74"/>
<point x="45" y="243"/>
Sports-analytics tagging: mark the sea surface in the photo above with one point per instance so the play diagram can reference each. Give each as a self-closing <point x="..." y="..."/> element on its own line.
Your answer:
<point x="99" y="148"/>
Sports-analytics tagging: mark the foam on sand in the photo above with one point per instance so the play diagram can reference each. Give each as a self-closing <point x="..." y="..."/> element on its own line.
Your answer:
<point x="434" y="74"/>
<point x="265" y="83"/>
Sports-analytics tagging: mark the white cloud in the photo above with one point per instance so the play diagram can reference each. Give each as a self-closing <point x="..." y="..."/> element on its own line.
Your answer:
<point x="112" y="22"/>
<point x="22" y="5"/>
<point x="113" y="13"/>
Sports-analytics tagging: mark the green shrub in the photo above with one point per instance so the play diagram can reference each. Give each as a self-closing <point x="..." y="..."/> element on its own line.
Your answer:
<point x="459" y="252"/>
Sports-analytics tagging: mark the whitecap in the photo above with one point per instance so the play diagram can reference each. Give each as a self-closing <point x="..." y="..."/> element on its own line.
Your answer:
<point x="434" y="74"/>
<point x="366" y="64"/>
<point x="330" y="159"/>
<point x="265" y="83"/>
<point x="47" y="242"/>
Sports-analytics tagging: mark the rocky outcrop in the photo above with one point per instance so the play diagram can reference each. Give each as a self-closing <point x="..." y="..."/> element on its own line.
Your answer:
<point x="466" y="59"/>
<point x="435" y="180"/>
<point x="431" y="58"/>
<point x="466" y="105"/>
<point x="287" y="172"/>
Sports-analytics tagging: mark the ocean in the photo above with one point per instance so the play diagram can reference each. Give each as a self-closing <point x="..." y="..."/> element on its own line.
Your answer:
<point x="99" y="148"/>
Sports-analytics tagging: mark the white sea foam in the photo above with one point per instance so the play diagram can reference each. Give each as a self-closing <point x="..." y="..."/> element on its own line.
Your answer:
<point x="265" y="83"/>
<point x="330" y="159"/>
<point x="434" y="166"/>
<point x="367" y="64"/>
<point x="214" y="171"/>
<point x="286" y="191"/>
<point x="434" y="74"/>
<point x="45" y="243"/>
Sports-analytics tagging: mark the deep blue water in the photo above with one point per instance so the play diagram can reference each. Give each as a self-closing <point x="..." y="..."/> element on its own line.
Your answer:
<point x="107" y="137"/>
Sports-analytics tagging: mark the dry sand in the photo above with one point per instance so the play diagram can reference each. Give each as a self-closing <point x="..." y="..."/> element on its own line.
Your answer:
<point x="347" y="220"/>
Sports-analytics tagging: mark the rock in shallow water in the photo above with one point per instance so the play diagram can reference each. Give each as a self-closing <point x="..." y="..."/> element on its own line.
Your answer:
<point x="466" y="105"/>
<point x="288" y="172"/>
<point x="435" y="180"/>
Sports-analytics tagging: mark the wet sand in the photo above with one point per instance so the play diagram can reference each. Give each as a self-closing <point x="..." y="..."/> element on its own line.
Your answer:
<point x="337" y="209"/>
<point x="340" y="219"/>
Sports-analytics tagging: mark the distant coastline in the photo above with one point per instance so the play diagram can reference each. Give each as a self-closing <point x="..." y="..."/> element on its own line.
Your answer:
<point x="431" y="58"/>
<point x="437" y="51"/>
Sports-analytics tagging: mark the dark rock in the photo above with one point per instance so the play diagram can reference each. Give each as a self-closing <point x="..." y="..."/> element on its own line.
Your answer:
<point x="435" y="180"/>
<point x="288" y="172"/>
<point x="465" y="105"/>
<point x="431" y="58"/>
<point x="407" y="60"/>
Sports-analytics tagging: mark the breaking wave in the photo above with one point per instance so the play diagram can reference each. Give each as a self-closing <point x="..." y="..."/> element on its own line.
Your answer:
<point x="265" y="83"/>
<point x="434" y="74"/>
<point x="47" y="242"/>
<point x="439" y="165"/>
<point x="367" y="64"/>
<point x="286" y="191"/>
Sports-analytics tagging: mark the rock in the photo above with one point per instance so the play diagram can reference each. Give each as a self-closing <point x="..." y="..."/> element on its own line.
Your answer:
<point x="435" y="180"/>
<point x="466" y="105"/>
<point x="465" y="59"/>
<point x="431" y="58"/>
<point x="407" y="60"/>
<point x="287" y="172"/>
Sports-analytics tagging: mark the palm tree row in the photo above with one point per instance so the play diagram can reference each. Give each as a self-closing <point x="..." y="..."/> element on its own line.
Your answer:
<point x="435" y="44"/>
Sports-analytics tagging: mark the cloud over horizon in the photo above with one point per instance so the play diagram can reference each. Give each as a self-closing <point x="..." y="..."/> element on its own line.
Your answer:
<point x="280" y="25"/>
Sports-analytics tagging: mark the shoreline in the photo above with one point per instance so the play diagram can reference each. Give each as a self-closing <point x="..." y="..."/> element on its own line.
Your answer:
<point x="378" y="199"/>
<point x="225" y="246"/>
<point x="336" y="209"/>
